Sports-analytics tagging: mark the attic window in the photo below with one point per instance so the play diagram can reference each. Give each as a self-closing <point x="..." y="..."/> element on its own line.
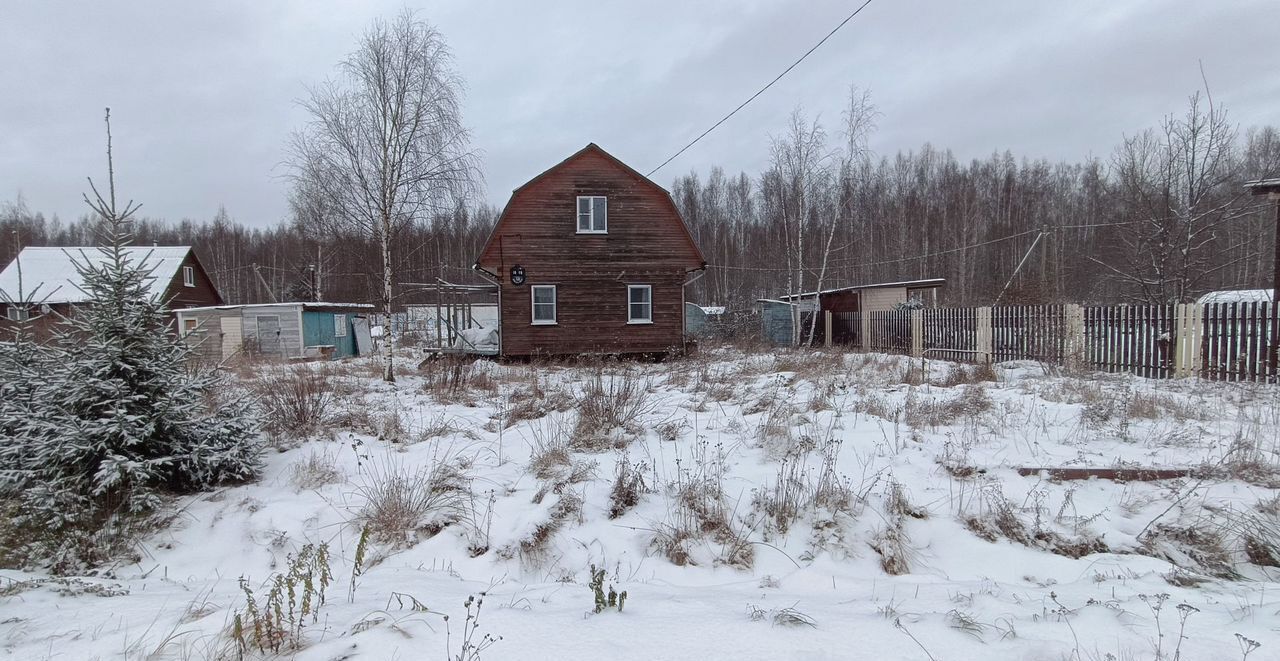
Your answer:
<point x="188" y="276"/>
<point x="593" y="214"/>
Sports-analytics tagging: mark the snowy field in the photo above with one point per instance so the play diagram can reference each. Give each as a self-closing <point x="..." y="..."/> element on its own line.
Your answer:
<point x="798" y="505"/>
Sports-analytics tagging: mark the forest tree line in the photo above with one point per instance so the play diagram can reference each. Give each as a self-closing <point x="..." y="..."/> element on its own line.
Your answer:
<point x="1164" y="218"/>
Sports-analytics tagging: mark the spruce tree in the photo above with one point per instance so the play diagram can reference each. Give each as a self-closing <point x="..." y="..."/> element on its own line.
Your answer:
<point x="123" y="417"/>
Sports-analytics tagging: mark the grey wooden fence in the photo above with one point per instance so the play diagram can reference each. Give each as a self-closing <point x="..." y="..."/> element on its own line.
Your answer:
<point x="1222" y="341"/>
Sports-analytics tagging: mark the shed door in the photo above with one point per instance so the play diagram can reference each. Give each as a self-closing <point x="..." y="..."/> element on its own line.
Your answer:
<point x="232" y="335"/>
<point x="269" y="335"/>
<point x="364" y="343"/>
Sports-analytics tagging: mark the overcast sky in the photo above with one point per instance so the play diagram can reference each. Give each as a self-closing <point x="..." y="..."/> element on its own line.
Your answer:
<point x="203" y="95"/>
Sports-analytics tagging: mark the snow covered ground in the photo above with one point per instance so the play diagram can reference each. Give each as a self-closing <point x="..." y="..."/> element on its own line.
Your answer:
<point x="797" y="505"/>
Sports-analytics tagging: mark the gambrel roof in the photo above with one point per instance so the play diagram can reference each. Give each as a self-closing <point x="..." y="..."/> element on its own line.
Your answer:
<point x="595" y="149"/>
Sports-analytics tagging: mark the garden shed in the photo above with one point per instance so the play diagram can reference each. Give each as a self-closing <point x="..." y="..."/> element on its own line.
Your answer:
<point x="288" y="331"/>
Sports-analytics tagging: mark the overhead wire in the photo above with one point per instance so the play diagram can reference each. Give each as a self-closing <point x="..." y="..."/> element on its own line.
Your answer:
<point x="762" y="89"/>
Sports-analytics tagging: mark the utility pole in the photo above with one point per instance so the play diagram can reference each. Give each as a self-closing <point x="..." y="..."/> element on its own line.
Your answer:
<point x="257" y="270"/>
<point x="1271" y="189"/>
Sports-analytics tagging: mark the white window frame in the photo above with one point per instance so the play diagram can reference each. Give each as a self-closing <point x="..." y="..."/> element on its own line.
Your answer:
<point x="591" y="215"/>
<point x="533" y="306"/>
<point x="631" y="319"/>
<point x="195" y="326"/>
<point x="17" y="313"/>
<point x="339" y="325"/>
<point x="188" y="276"/>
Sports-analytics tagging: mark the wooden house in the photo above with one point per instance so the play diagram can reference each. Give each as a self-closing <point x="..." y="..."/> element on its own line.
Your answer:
<point x="283" y="331"/>
<point x="590" y="257"/>
<point x="51" y="285"/>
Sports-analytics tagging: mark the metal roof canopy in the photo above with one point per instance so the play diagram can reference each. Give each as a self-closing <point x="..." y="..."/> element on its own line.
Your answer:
<point x="928" y="283"/>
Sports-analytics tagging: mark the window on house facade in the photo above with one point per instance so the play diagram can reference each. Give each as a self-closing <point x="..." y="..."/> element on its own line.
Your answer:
<point x="188" y="276"/>
<point x="639" y="304"/>
<point x="18" y="313"/>
<point x="339" y="325"/>
<point x="189" y="326"/>
<point x="544" y="304"/>
<point x="593" y="214"/>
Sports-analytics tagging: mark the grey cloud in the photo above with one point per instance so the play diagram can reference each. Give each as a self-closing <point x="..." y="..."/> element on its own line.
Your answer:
<point x="203" y="94"/>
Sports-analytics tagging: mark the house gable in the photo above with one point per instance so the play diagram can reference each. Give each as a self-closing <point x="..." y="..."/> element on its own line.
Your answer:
<point x="539" y="223"/>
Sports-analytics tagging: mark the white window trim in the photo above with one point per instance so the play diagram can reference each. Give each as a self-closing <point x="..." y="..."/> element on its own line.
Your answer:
<point x="555" y="306"/>
<point x="592" y="208"/>
<point x="188" y="276"/>
<point x="17" y="313"/>
<point x="633" y="320"/>
<point x="339" y="325"/>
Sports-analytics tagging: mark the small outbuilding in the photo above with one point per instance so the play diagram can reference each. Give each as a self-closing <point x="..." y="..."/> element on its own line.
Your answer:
<point x="844" y="303"/>
<point x="874" y="297"/>
<point x="286" y="331"/>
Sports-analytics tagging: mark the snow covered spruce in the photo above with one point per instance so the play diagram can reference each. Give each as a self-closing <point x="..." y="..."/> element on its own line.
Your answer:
<point x="108" y="418"/>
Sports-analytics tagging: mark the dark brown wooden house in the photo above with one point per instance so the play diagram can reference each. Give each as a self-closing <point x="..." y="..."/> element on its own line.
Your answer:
<point x="590" y="257"/>
<point x="51" y="283"/>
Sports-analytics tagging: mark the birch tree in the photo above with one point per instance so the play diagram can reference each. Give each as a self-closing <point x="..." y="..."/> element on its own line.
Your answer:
<point x="385" y="146"/>
<point x="1177" y="189"/>
<point x="859" y="121"/>
<point x="800" y="171"/>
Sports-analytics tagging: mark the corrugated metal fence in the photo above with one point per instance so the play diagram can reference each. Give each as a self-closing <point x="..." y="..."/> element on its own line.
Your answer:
<point x="1224" y="341"/>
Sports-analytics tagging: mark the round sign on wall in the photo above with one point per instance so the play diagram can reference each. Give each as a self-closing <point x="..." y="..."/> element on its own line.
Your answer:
<point x="517" y="275"/>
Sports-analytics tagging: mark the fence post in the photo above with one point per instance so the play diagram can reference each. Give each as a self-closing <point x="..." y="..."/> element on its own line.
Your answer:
<point x="827" y="328"/>
<point x="864" y="318"/>
<point x="1196" y="338"/>
<point x="1075" y="342"/>
<point x="917" y="333"/>
<point x="1181" y="340"/>
<point x="982" y="334"/>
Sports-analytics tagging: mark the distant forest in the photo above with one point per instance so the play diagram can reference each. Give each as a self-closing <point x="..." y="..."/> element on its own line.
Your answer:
<point x="1164" y="218"/>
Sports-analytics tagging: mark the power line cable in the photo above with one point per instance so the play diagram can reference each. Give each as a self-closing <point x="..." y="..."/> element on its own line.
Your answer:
<point x="762" y="89"/>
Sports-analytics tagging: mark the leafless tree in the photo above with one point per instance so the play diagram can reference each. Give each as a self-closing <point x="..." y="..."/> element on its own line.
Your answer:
<point x="859" y="121"/>
<point x="1177" y="191"/>
<point x="385" y="146"/>
<point x="799" y="175"/>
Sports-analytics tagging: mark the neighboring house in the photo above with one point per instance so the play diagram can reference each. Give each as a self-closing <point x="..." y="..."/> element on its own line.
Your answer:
<point x="285" y="331"/>
<point x="590" y="257"/>
<point x="52" y="283"/>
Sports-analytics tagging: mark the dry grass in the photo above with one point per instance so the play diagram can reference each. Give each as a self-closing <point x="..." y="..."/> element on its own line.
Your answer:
<point x="318" y="469"/>
<point x="960" y="374"/>
<point x="298" y="401"/>
<point x="999" y="518"/>
<point x="457" y="379"/>
<point x="533" y="401"/>
<point x="403" y="505"/>
<point x="927" y="413"/>
<point x="532" y="548"/>
<point x="893" y="546"/>
<point x="609" y="411"/>
<point x="628" y="485"/>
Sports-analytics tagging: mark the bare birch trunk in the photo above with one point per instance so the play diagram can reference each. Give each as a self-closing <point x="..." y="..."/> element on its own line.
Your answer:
<point x="388" y="344"/>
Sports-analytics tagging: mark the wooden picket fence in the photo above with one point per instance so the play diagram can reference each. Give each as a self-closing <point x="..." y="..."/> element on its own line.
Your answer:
<point x="1221" y="341"/>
